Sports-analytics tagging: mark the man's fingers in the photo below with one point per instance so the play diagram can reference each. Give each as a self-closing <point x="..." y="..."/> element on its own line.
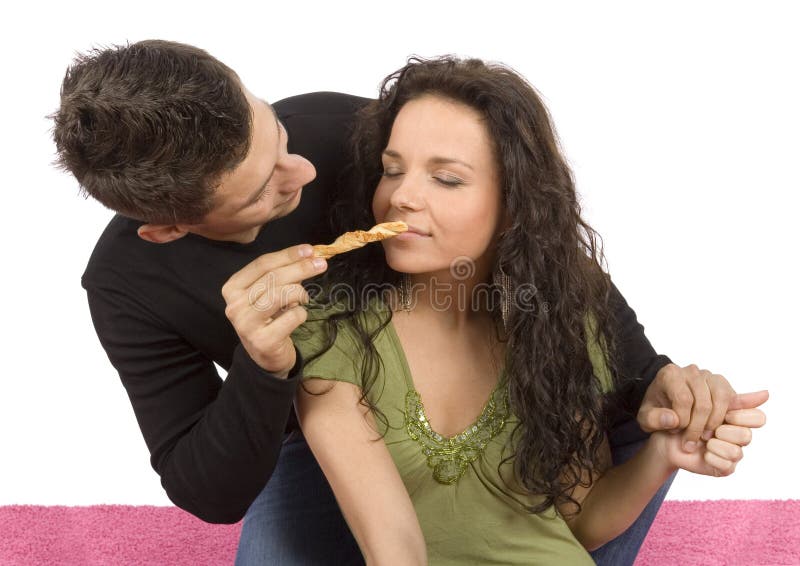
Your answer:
<point x="721" y="395"/>
<point x="681" y="398"/>
<point x="700" y="411"/>
<point x="740" y="435"/>
<point x="286" y="322"/>
<point x="248" y="315"/>
<point x="297" y="272"/>
<point x="752" y="418"/>
<point x="651" y="419"/>
<point x="274" y="300"/>
<point x="266" y="291"/>
<point x="266" y="263"/>
<point x="271" y="344"/>
<point x="749" y="400"/>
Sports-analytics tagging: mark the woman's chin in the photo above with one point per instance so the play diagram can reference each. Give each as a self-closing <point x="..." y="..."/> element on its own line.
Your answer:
<point x="403" y="263"/>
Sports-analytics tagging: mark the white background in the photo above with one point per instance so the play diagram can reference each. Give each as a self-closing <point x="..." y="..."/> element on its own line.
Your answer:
<point x="680" y="120"/>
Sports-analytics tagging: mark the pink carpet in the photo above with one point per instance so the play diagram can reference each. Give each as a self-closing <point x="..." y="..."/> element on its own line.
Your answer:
<point x="685" y="533"/>
<point x="729" y="533"/>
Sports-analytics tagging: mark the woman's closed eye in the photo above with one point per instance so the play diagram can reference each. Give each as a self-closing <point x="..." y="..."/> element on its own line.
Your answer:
<point x="443" y="179"/>
<point x="448" y="180"/>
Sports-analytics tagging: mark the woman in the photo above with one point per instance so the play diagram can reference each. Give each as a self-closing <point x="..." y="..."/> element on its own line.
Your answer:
<point x="458" y="378"/>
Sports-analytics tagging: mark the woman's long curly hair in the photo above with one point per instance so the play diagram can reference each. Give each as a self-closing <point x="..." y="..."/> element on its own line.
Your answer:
<point x="547" y="246"/>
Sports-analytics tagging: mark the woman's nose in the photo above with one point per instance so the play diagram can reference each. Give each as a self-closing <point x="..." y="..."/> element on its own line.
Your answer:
<point x="407" y="195"/>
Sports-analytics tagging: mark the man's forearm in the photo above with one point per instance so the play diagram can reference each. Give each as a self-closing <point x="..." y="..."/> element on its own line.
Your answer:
<point x="639" y="362"/>
<point x="216" y="469"/>
<point x="213" y="443"/>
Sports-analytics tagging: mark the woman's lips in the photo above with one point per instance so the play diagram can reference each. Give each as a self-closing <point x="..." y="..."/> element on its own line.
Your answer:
<point x="413" y="232"/>
<point x="411" y="235"/>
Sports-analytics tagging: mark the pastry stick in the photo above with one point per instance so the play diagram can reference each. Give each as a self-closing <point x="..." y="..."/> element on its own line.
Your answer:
<point x="359" y="238"/>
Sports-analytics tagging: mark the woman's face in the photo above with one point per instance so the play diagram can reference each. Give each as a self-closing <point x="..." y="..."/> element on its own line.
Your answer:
<point x="441" y="178"/>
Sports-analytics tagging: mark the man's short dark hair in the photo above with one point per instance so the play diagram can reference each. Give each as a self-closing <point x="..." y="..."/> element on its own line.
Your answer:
<point x="148" y="129"/>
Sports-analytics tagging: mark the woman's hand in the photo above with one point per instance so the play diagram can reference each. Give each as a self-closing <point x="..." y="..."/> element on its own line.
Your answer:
<point x="717" y="456"/>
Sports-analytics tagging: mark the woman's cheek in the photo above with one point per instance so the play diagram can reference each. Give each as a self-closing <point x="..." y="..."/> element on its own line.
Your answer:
<point x="380" y="204"/>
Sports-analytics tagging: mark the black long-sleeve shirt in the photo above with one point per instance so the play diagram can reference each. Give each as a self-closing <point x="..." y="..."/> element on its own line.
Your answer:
<point x="159" y="314"/>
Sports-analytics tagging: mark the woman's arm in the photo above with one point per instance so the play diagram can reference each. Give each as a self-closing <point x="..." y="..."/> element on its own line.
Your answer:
<point x="614" y="501"/>
<point x="342" y="435"/>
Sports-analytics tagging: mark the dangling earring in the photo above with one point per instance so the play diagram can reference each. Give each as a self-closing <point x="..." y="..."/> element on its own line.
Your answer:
<point x="502" y="280"/>
<point x="404" y="291"/>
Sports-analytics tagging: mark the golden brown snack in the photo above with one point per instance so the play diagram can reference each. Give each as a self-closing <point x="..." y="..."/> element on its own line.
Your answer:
<point x="359" y="238"/>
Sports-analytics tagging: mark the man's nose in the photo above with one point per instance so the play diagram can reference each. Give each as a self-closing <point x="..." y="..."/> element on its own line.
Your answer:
<point x="300" y="170"/>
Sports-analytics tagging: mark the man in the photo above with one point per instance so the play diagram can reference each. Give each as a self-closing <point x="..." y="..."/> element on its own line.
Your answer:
<point x="204" y="264"/>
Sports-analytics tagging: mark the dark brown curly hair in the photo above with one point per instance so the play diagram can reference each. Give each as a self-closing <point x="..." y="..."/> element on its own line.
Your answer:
<point x="147" y="129"/>
<point x="548" y="247"/>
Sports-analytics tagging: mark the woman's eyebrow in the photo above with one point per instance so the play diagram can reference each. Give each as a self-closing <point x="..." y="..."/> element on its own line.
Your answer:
<point x="437" y="160"/>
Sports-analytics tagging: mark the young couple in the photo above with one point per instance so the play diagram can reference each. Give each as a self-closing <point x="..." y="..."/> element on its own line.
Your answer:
<point x="480" y="435"/>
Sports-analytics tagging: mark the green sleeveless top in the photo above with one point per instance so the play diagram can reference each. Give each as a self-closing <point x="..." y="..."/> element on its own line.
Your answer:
<point x="467" y="513"/>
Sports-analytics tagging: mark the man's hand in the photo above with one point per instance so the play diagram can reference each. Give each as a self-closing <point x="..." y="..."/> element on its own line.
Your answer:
<point x="692" y="400"/>
<point x="264" y="303"/>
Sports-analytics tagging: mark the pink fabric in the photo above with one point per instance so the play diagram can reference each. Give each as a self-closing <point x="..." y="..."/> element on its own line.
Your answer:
<point x="685" y="533"/>
<point x="118" y="535"/>
<point x="730" y="533"/>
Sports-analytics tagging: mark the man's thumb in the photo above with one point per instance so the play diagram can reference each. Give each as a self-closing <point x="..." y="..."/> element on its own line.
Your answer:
<point x="657" y="418"/>
<point x="748" y="400"/>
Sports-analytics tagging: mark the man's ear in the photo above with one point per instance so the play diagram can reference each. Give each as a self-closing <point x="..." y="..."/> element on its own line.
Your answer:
<point x="161" y="233"/>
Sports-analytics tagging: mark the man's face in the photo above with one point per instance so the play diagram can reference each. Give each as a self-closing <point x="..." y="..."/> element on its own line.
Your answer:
<point x="266" y="185"/>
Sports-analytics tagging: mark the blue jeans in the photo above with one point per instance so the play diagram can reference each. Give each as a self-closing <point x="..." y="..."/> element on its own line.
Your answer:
<point x="295" y="521"/>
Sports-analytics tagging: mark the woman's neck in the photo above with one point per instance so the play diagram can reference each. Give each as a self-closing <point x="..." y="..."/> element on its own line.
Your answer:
<point x="444" y="299"/>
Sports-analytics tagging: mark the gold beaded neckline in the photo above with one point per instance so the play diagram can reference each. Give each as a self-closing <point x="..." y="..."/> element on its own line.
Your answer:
<point x="449" y="457"/>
